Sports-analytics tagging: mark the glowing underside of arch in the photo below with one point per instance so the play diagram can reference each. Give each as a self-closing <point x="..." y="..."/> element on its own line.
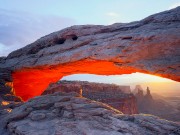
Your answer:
<point x="28" y="83"/>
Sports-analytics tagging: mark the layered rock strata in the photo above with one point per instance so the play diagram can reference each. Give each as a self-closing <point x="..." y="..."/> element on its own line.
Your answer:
<point x="149" y="46"/>
<point x="119" y="97"/>
<point x="71" y="114"/>
<point x="6" y="86"/>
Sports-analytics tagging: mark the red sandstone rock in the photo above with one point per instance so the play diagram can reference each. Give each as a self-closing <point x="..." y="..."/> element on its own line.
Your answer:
<point x="148" y="46"/>
<point x="119" y="97"/>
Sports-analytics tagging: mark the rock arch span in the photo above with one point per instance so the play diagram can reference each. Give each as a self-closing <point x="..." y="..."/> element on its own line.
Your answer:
<point x="148" y="46"/>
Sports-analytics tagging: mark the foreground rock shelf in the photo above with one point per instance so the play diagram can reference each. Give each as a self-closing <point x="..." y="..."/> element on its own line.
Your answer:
<point x="148" y="46"/>
<point x="70" y="114"/>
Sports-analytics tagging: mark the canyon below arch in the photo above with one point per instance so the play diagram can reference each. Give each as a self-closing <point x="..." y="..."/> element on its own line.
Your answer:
<point x="150" y="46"/>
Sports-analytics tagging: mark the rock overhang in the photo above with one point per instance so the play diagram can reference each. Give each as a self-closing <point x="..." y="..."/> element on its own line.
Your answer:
<point x="148" y="46"/>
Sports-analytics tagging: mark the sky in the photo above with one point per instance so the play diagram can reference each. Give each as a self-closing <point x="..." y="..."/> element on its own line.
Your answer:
<point x="24" y="21"/>
<point x="157" y="84"/>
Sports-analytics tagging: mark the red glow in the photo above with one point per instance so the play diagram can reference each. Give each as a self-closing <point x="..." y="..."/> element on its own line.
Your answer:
<point x="32" y="82"/>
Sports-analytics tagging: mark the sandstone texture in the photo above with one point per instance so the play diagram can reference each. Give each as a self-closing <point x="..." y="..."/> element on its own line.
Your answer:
<point x="70" y="114"/>
<point x="149" y="46"/>
<point x="119" y="97"/>
<point x="6" y="86"/>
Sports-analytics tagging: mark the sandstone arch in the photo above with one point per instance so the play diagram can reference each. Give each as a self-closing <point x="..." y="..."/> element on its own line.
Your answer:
<point x="148" y="46"/>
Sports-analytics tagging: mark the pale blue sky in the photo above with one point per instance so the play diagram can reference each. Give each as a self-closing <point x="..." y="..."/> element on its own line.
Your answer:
<point x="24" y="21"/>
<point x="91" y="11"/>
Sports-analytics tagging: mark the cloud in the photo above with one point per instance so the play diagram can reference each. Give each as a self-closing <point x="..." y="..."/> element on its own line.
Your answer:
<point x="112" y="14"/>
<point x="113" y="17"/>
<point x="4" y="49"/>
<point x="174" y="5"/>
<point x="18" y="29"/>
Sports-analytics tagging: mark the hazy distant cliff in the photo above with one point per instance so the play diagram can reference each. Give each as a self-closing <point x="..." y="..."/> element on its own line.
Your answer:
<point x="116" y="96"/>
<point x="158" y="106"/>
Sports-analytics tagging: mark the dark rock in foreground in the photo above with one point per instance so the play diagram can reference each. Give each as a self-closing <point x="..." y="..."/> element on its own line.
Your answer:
<point x="6" y="86"/>
<point x="70" y="114"/>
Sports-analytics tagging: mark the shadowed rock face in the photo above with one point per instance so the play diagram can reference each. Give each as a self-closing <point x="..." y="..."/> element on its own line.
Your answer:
<point x="148" y="46"/>
<point x="6" y="90"/>
<point x="70" y="114"/>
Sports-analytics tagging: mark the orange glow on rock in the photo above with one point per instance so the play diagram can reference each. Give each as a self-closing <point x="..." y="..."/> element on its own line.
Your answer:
<point x="4" y="103"/>
<point x="8" y="110"/>
<point x="10" y="84"/>
<point x="32" y="82"/>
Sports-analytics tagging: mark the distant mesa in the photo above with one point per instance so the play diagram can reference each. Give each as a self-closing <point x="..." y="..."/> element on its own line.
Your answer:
<point x="119" y="97"/>
<point x="137" y="89"/>
<point x="148" y="95"/>
<point x="157" y="106"/>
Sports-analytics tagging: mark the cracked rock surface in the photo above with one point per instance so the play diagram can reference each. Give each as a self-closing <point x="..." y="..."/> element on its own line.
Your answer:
<point x="71" y="114"/>
<point x="150" y="45"/>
